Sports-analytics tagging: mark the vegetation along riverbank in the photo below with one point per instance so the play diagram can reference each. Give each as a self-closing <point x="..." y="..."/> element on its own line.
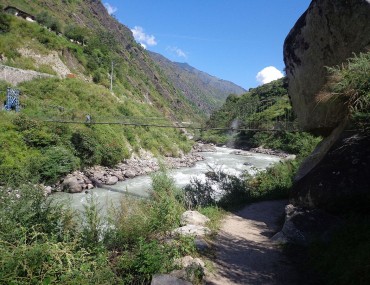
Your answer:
<point x="86" y="105"/>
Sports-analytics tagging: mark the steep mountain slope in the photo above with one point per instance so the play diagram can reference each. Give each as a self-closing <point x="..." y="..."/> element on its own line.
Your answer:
<point x="75" y="43"/>
<point x="105" y="41"/>
<point x="206" y="91"/>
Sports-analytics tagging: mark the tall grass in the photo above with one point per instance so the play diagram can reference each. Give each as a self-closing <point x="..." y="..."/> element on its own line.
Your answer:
<point x="44" y="242"/>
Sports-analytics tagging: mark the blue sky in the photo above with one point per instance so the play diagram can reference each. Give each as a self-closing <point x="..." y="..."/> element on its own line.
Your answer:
<point x="231" y="39"/>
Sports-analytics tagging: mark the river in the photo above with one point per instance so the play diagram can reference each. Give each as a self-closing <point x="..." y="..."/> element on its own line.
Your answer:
<point x="140" y="186"/>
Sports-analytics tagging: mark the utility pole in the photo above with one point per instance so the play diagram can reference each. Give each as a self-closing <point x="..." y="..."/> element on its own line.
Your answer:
<point x="111" y="78"/>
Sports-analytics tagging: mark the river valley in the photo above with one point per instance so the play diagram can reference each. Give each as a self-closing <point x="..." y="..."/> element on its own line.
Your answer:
<point x="223" y="158"/>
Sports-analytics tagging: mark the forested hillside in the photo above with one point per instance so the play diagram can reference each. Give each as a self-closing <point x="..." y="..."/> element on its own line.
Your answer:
<point x="266" y="107"/>
<point x="76" y="43"/>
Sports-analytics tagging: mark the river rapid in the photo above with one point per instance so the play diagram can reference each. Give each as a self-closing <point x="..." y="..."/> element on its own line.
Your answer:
<point x="222" y="158"/>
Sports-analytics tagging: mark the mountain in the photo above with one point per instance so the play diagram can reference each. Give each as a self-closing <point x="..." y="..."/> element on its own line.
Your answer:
<point x="206" y="91"/>
<point x="103" y="40"/>
<point x="60" y="55"/>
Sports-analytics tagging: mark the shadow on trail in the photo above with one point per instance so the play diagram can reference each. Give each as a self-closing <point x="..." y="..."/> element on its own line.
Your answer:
<point x="244" y="252"/>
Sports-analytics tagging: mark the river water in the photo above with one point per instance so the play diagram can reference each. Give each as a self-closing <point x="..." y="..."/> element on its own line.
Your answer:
<point x="140" y="186"/>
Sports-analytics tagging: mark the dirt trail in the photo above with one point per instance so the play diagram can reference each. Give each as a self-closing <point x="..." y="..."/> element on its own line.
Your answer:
<point x="244" y="252"/>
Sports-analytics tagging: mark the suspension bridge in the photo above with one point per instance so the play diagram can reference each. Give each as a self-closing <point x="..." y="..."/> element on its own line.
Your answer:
<point x="239" y="124"/>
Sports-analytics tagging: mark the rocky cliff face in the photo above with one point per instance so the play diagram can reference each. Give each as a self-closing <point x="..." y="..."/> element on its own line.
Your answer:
<point x="340" y="182"/>
<point x="328" y="33"/>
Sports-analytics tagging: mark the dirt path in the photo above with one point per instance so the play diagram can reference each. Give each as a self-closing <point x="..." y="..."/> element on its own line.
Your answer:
<point x="244" y="252"/>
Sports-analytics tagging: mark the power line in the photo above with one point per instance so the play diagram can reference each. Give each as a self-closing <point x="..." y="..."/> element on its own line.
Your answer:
<point x="252" y="128"/>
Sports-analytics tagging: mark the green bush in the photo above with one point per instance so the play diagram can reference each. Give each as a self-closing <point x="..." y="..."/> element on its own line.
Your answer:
<point x="87" y="146"/>
<point x="351" y="85"/>
<point x="56" y="162"/>
<point x="4" y="23"/>
<point x="44" y="18"/>
<point x="273" y="183"/>
<point x="76" y="33"/>
<point x="166" y="210"/>
<point x="146" y="259"/>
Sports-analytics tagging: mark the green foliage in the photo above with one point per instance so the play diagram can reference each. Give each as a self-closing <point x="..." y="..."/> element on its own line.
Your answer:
<point x="87" y="146"/>
<point x="165" y="211"/>
<point x="4" y="22"/>
<point x="299" y="143"/>
<point x="92" y="223"/>
<point x="147" y="258"/>
<point x="43" y="242"/>
<point x="54" y="163"/>
<point x="77" y="33"/>
<point x="44" y="18"/>
<point x="272" y="183"/>
<point x="352" y="86"/>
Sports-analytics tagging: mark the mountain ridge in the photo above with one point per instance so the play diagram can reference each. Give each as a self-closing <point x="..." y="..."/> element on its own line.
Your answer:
<point x="207" y="91"/>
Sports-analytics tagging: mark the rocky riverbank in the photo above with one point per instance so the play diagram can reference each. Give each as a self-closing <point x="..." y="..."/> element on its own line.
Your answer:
<point x="141" y="164"/>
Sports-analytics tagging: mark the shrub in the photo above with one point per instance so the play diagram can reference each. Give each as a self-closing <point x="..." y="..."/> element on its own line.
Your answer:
<point x="56" y="162"/>
<point x="44" y="18"/>
<point x="166" y="210"/>
<point x="146" y="259"/>
<point x="228" y="191"/>
<point x="87" y="147"/>
<point x="76" y="33"/>
<point x="352" y="86"/>
<point x="4" y="22"/>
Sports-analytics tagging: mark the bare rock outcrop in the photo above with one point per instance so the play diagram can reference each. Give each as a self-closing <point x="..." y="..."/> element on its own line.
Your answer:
<point x="340" y="181"/>
<point x="327" y="34"/>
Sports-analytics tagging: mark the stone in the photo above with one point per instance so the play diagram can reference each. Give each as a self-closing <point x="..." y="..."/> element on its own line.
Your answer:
<point x="334" y="183"/>
<point x="192" y="230"/>
<point x="111" y="180"/>
<point x="47" y="190"/>
<point x="192" y="269"/>
<point x="303" y="226"/>
<point x="72" y="184"/>
<point x="166" y="279"/>
<point x="130" y="173"/>
<point x="290" y="157"/>
<point x="326" y="35"/>
<point x="193" y="218"/>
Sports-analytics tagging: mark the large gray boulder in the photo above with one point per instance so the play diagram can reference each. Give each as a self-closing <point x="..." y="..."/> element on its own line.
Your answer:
<point x="193" y="218"/>
<point x="304" y="226"/>
<point x="339" y="183"/>
<point x="327" y="34"/>
<point x="73" y="184"/>
<point x="192" y="230"/>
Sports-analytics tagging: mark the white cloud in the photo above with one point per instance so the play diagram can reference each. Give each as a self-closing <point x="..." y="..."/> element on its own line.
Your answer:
<point x="142" y="38"/>
<point x="143" y="45"/>
<point x="269" y="74"/>
<point x="111" y="10"/>
<point x="179" y="52"/>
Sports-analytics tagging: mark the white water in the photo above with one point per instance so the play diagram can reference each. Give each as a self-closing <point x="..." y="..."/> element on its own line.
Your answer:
<point x="140" y="186"/>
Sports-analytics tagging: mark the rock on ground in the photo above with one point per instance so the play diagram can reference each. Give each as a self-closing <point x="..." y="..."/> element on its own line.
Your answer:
<point x="192" y="230"/>
<point x="193" y="218"/>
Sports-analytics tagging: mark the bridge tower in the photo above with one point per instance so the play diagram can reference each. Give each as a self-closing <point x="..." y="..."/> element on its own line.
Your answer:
<point x="12" y="100"/>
